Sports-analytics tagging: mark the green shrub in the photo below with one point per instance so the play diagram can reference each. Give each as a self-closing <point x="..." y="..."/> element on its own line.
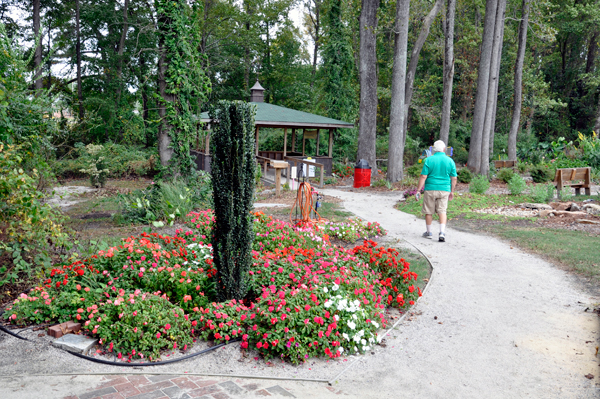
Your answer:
<point x="516" y="185"/>
<point x="542" y="192"/>
<point x="120" y="160"/>
<point x="505" y="174"/>
<point x="565" y="194"/>
<point x="413" y="170"/>
<point x="479" y="184"/>
<point x="379" y="183"/>
<point x="464" y="175"/>
<point x="522" y="167"/>
<point x="541" y="173"/>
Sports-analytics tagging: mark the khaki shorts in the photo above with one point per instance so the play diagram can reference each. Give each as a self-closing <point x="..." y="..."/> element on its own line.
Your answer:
<point x="435" y="202"/>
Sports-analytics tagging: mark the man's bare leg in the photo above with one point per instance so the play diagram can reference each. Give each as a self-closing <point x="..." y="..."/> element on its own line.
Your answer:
<point x="443" y="219"/>
<point x="428" y="222"/>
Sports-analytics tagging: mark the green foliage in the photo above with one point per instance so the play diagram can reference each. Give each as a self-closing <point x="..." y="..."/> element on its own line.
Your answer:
<point x="505" y="174"/>
<point x="120" y="160"/>
<point x="97" y="166"/>
<point x="29" y="228"/>
<point x="565" y="194"/>
<point x="233" y="174"/>
<point x="542" y="192"/>
<point x="166" y="201"/>
<point x="479" y="184"/>
<point x="186" y="82"/>
<point x="516" y="184"/>
<point x="541" y="173"/>
<point x="464" y="175"/>
<point x="414" y="170"/>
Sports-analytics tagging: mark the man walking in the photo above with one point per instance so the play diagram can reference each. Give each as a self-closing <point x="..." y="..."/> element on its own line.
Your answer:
<point x="439" y="178"/>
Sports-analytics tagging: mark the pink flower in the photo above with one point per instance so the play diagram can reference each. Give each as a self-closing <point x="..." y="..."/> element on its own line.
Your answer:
<point x="13" y="316"/>
<point x="174" y="345"/>
<point x="157" y="335"/>
<point x="135" y="312"/>
<point x="168" y="326"/>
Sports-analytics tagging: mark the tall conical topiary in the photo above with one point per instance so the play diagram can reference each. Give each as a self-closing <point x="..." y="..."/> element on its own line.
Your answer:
<point x="232" y="169"/>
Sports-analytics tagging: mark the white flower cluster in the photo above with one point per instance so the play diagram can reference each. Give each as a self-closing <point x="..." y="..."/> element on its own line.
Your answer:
<point x="352" y="315"/>
<point x="202" y="252"/>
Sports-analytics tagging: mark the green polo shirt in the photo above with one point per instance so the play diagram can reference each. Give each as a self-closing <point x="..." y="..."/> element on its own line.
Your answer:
<point x="438" y="168"/>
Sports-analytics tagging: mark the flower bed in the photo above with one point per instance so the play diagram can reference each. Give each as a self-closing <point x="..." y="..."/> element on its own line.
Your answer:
<point x="153" y="293"/>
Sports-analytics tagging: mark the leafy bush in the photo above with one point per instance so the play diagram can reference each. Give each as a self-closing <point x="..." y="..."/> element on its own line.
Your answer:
<point x="516" y="185"/>
<point x="120" y="160"/>
<point x="411" y="192"/>
<point x="96" y="168"/>
<point x="342" y="170"/>
<point x="565" y="194"/>
<point x="479" y="184"/>
<point x="541" y="173"/>
<point x="464" y="175"/>
<point x="505" y="174"/>
<point x="522" y="167"/>
<point x="542" y="192"/>
<point x="414" y="170"/>
<point x="28" y="227"/>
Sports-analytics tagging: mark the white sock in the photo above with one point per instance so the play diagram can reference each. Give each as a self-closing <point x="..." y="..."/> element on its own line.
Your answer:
<point x="443" y="228"/>
<point x="428" y="228"/>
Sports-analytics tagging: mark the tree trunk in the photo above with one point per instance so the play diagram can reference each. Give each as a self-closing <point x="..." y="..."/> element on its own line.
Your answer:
<point x="492" y="95"/>
<point x="37" y="59"/>
<point x="448" y="70"/>
<point x="120" y="50"/>
<point x="518" y="96"/>
<point x="78" y="56"/>
<point x="165" y="151"/>
<point x="398" y="107"/>
<point x="368" y="83"/>
<point x="591" y="55"/>
<point x="316" y="21"/>
<point x="414" y="60"/>
<point x="597" y="124"/>
<point x="483" y="78"/>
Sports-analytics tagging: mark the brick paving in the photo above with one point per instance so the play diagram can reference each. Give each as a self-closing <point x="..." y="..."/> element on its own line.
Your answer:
<point x="178" y="387"/>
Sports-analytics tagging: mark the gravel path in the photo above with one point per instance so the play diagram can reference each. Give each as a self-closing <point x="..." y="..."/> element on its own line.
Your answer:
<point x="494" y="321"/>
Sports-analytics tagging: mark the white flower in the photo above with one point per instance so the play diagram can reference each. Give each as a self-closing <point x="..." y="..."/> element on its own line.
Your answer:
<point x="357" y="303"/>
<point x="354" y="317"/>
<point x="328" y="303"/>
<point x="352" y="325"/>
<point x="335" y="287"/>
<point x="341" y="350"/>
<point x="378" y="338"/>
<point x="346" y="337"/>
<point x="336" y="317"/>
<point x="355" y="349"/>
<point x="325" y="289"/>
<point x="375" y="324"/>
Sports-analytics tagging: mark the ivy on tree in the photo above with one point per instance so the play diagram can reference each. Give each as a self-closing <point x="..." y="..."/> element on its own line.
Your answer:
<point x="232" y="170"/>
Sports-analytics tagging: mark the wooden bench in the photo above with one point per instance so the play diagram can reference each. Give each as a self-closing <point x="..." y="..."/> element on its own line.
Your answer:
<point x="504" y="164"/>
<point x="566" y="175"/>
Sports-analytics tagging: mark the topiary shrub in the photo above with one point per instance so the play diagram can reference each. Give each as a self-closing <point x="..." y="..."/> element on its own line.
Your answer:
<point x="505" y="174"/>
<point x="464" y="175"/>
<point x="233" y="172"/>
<point x="541" y="174"/>
<point x="479" y="185"/>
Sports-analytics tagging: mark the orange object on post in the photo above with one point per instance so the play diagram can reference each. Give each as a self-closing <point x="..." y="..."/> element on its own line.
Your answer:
<point x="362" y="174"/>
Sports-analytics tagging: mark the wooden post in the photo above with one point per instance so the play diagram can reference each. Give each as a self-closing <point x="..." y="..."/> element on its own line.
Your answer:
<point x="256" y="138"/>
<point x="303" y="142"/>
<point x="207" y="142"/>
<point x="277" y="182"/>
<point x="330" y="143"/>
<point x="294" y="140"/>
<point x="284" y="142"/>
<point x="318" y="139"/>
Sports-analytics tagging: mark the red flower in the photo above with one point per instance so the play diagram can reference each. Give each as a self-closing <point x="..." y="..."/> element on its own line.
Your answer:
<point x="168" y="326"/>
<point x="259" y="345"/>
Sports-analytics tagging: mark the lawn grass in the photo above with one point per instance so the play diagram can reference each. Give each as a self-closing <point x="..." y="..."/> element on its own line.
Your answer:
<point x="574" y="249"/>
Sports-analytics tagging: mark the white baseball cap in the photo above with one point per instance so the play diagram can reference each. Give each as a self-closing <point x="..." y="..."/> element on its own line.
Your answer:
<point x="439" y="146"/>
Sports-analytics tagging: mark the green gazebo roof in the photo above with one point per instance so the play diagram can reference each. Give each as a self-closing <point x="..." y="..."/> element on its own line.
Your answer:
<point x="275" y="116"/>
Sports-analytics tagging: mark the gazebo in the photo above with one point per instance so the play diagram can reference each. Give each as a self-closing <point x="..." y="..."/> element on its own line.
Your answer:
<point x="310" y="126"/>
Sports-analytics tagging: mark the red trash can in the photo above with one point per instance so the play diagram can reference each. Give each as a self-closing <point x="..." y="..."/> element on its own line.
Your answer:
<point x="362" y="174"/>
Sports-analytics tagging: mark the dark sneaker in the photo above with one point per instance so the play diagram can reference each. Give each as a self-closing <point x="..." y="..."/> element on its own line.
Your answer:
<point x="428" y="235"/>
<point x="442" y="237"/>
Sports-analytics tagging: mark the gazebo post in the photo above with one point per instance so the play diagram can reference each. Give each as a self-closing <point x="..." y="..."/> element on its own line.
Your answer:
<point x="303" y="142"/>
<point x="330" y="143"/>
<point x="294" y="140"/>
<point x="284" y="142"/>
<point x="256" y="140"/>
<point x="207" y="141"/>
<point x="318" y="139"/>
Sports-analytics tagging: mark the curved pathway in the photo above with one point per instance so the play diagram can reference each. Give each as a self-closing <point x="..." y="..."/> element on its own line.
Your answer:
<point x="494" y="322"/>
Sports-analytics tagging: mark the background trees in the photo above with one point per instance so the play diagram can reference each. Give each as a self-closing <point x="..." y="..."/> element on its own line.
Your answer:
<point x="101" y="60"/>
